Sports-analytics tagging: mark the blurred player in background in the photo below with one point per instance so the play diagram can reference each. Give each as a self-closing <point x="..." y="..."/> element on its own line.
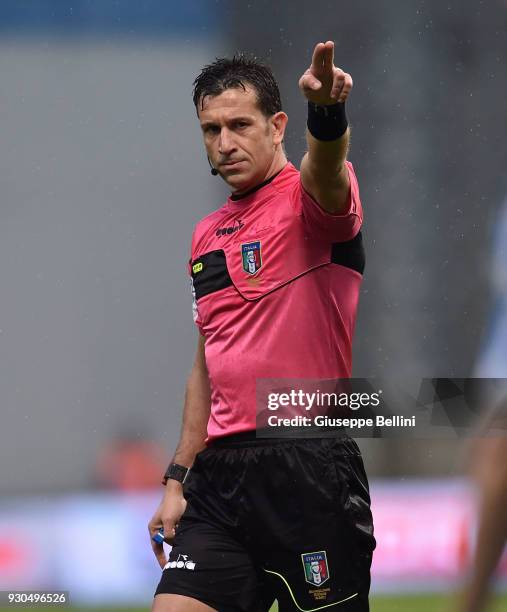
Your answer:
<point x="492" y="361"/>
<point x="489" y="470"/>
<point x="489" y="454"/>
<point x="276" y="273"/>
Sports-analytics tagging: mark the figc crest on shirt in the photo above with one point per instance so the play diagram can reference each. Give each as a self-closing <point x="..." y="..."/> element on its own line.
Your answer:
<point x="251" y="253"/>
<point x="316" y="568"/>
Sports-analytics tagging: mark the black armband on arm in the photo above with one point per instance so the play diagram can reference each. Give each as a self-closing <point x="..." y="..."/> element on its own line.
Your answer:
<point x="327" y="123"/>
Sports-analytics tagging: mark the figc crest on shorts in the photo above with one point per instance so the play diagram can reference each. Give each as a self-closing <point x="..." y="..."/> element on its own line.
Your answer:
<point x="251" y="253"/>
<point x="316" y="568"/>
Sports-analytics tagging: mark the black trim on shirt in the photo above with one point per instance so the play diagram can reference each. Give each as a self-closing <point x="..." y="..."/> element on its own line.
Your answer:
<point x="212" y="275"/>
<point x="349" y="254"/>
<point x="239" y="196"/>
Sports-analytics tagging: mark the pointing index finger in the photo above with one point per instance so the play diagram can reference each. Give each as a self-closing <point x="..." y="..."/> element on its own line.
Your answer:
<point x="328" y="54"/>
<point x="318" y="57"/>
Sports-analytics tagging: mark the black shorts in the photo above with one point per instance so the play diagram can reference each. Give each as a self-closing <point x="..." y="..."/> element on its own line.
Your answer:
<point x="274" y="519"/>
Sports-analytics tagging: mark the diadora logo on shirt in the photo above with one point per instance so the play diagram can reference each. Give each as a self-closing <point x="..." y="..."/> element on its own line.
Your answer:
<point x="222" y="231"/>
<point x="182" y="562"/>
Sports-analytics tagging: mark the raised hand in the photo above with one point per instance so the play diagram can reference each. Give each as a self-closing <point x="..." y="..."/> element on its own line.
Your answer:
<point x="323" y="83"/>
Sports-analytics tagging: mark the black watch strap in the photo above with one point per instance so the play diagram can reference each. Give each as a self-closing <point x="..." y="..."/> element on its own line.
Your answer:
<point x="176" y="472"/>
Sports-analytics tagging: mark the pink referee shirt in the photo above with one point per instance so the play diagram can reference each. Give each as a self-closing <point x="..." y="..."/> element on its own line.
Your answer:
<point x="276" y="284"/>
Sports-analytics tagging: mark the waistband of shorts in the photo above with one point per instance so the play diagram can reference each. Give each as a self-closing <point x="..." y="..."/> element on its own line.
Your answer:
<point x="265" y="438"/>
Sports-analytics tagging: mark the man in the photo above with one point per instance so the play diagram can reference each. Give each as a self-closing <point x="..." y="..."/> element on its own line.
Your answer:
<point x="276" y="274"/>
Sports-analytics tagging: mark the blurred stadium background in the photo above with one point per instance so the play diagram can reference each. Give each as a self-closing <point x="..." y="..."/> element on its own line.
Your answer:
<point x="103" y="176"/>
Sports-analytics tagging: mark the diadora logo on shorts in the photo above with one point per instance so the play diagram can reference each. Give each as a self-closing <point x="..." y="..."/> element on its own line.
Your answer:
<point x="316" y="568"/>
<point x="222" y="231"/>
<point x="197" y="267"/>
<point x="182" y="562"/>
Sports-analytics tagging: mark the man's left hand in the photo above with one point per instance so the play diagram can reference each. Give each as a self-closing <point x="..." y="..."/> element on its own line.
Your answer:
<point x="323" y="83"/>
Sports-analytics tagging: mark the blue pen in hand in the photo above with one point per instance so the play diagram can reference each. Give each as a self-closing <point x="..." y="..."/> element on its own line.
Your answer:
<point x="159" y="536"/>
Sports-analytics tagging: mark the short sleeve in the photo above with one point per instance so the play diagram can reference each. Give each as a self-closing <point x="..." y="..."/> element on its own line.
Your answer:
<point x="336" y="228"/>
<point x="195" y="309"/>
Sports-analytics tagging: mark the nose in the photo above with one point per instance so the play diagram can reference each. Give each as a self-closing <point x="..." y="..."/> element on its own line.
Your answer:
<point x="226" y="145"/>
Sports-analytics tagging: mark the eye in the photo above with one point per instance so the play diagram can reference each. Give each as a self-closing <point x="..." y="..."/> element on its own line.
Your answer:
<point x="241" y="124"/>
<point x="212" y="130"/>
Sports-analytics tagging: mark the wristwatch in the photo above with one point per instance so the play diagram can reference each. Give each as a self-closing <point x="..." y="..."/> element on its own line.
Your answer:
<point x="176" y="472"/>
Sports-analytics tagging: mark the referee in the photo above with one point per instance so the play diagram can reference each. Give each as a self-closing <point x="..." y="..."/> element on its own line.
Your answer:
<point x="276" y="273"/>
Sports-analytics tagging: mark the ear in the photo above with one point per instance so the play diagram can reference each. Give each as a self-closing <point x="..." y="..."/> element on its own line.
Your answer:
<point x="278" y="124"/>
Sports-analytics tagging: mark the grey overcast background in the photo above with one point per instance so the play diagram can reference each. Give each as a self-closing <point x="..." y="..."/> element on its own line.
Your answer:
<point x="103" y="176"/>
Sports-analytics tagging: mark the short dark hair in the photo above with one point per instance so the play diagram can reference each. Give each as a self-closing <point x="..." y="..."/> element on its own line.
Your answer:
<point x="237" y="72"/>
